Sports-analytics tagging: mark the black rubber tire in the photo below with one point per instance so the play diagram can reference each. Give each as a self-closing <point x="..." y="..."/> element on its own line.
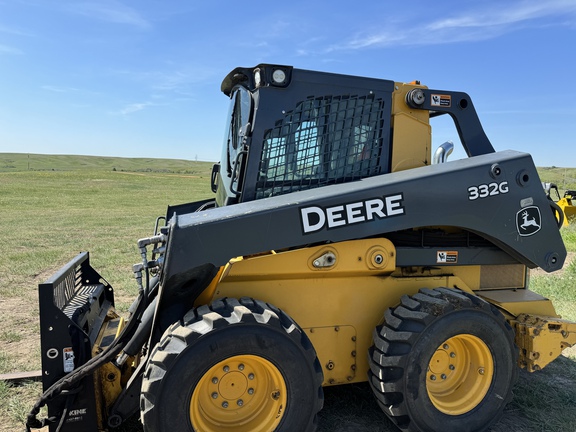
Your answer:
<point x="405" y="343"/>
<point x="211" y="334"/>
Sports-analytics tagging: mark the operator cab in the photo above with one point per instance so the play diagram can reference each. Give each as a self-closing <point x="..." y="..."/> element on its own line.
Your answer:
<point x="289" y="130"/>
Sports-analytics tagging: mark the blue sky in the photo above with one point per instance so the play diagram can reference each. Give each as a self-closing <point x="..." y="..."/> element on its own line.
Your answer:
<point x="142" y="78"/>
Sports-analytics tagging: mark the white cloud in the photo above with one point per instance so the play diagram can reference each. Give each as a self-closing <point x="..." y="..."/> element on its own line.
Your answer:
<point x="473" y="25"/>
<point x="58" y="89"/>
<point x="109" y="11"/>
<point x="178" y="79"/>
<point x="519" y="13"/>
<point x="14" y="31"/>
<point x="364" y="41"/>
<point x="134" y="107"/>
<point x="5" y="49"/>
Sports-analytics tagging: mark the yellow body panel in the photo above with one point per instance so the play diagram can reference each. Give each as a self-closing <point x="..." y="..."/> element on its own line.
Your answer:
<point x="351" y="295"/>
<point x="411" y="132"/>
<point x="516" y="302"/>
<point x="338" y="294"/>
<point x="339" y="352"/>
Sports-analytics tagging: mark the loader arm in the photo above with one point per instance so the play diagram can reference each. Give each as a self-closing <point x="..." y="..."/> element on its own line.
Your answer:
<point x="503" y="185"/>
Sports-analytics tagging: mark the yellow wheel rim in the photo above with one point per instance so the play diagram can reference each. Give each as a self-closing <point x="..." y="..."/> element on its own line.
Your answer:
<point x="459" y="374"/>
<point x="243" y="394"/>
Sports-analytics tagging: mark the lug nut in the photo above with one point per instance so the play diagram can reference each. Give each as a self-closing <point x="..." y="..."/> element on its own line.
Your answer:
<point x="433" y="377"/>
<point x="481" y="371"/>
<point x="214" y="395"/>
<point x="226" y="368"/>
<point x="443" y="376"/>
<point x="452" y="354"/>
<point x="445" y="346"/>
<point x="250" y="391"/>
<point x="214" y="380"/>
<point x="451" y="367"/>
<point x="224" y="404"/>
<point x="240" y="402"/>
<point x="251" y="376"/>
<point x="241" y="367"/>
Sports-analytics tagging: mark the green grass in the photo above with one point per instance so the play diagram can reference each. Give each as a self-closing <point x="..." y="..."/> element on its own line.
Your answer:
<point x="560" y="287"/>
<point x="545" y="401"/>
<point x="56" y="206"/>
<point x="14" y="162"/>
<point x="54" y="215"/>
<point x="565" y="178"/>
<point x="569" y="237"/>
<point x="15" y="405"/>
<point x="10" y="336"/>
<point x="5" y="362"/>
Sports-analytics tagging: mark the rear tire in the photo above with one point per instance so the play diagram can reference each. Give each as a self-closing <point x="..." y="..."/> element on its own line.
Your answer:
<point x="443" y="360"/>
<point x="237" y="365"/>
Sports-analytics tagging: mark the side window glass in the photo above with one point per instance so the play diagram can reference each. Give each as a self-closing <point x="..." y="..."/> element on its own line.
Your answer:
<point x="238" y="126"/>
<point x="322" y="141"/>
<point x="241" y="116"/>
<point x="293" y="156"/>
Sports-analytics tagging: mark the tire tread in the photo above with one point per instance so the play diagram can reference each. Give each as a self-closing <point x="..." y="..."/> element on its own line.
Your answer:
<point x="201" y="321"/>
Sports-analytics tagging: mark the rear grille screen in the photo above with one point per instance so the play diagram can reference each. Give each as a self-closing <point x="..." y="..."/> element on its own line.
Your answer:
<point x="502" y="276"/>
<point x="325" y="140"/>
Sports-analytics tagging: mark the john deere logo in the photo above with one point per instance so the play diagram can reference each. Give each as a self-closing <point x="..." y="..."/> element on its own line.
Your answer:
<point x="528" y="221"/>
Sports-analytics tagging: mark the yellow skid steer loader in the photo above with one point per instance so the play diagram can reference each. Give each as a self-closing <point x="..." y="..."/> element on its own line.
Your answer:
<point x="334" y="251"/>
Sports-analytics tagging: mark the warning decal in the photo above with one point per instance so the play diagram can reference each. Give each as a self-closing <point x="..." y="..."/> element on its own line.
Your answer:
<point x="441" y="100"/>
<point x="446" y="257"/>
<point x="68" y="356"/>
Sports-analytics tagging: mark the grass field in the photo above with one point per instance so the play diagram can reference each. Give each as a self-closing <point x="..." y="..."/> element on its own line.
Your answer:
<point x="565" y="178"/>
<point x="53" y="207"/>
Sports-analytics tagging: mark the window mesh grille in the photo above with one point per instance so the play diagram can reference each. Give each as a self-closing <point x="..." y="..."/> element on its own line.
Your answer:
<point x="324" y="140"/>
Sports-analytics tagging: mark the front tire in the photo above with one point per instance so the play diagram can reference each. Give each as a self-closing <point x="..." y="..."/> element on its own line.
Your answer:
<point x="443" y="360"/>
<point x="236" y="365"/>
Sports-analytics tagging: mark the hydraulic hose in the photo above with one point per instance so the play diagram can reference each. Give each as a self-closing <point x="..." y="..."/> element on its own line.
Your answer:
<point x="557" y="209"/>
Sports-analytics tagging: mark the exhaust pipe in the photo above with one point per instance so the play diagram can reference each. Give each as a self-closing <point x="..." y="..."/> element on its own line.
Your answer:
<point x="442" y="152"/>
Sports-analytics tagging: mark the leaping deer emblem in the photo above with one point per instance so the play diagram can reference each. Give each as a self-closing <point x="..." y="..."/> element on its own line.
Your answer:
<point x="528" y="222"/>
